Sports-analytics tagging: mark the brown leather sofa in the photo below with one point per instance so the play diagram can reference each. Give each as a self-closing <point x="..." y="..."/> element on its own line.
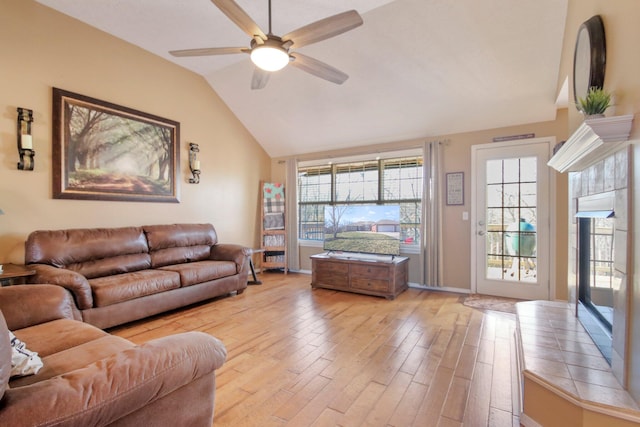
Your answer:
<point x="117" y="275"/>
<point x="91" y="378"/>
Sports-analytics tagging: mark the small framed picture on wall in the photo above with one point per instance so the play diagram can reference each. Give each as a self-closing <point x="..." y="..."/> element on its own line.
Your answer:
<point x="455" y="188"/>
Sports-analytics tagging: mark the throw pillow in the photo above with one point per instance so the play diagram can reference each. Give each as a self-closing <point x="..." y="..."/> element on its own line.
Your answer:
<point x="23" y="361"/>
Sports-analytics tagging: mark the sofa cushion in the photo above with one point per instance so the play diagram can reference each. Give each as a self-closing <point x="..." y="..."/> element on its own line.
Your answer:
<point x="179" y="243"/>
<point x="65" y="345"/>
<point x="75" y="357"/>
<point x="124" y="287"/>
<point x="117" y="264"/>
<point x="33" y="304"/>
<point x="58" y="335"/>
<point x="87" y="251"/>
<point x="202" y="271"/>
<point x="186" y="254"/>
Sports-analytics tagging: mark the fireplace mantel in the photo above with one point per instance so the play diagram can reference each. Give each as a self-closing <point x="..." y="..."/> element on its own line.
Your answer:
<point x="594" y="140"/>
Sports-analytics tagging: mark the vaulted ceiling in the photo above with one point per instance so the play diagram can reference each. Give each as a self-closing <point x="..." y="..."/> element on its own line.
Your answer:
<point x="417" y="68"/>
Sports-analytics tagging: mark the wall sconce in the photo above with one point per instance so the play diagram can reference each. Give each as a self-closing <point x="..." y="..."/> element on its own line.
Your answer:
<point x="194" y="163"/>
<point x="25" y="140"/>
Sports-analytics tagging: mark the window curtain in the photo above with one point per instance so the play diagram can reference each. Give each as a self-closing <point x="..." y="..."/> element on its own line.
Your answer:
<point x="291" y="186"/>
<point x="432" y="214"/>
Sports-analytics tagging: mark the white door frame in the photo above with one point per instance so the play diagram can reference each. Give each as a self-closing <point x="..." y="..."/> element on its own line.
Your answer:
<point x="552" y="211"/>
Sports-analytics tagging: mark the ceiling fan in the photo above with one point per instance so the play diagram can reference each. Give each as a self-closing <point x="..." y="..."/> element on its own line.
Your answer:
<point x="272" y="53"/>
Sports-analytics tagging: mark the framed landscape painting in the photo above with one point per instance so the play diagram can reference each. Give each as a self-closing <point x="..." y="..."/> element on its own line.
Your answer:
<point x="103" y="151"/>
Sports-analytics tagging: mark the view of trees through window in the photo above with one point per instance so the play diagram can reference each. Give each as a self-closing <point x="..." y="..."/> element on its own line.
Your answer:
<point x="397" y="181"/>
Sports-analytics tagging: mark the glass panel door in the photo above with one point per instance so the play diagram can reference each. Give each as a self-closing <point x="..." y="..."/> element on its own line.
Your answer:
<point x="511" y="214"/>
<point x="511" y="219"/>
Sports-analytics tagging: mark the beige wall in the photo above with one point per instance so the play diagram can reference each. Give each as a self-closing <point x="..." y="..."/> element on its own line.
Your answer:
<point x="457" y="233"/>
<point x="622" y="35"/>
<point x="42" y="49"/>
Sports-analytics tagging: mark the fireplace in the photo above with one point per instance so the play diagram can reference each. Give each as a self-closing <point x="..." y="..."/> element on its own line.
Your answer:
<point x="600" y="162"/>
<point x="599" y="256"/>
<point x="596" y="273"/>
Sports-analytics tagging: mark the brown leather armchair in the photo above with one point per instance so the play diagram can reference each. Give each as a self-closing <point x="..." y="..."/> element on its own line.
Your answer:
<point x="92" y="378"/>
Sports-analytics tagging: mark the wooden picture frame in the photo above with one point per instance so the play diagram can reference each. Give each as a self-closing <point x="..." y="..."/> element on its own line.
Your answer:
<point x="104" y="151"/>
<point x="455" y="188"/>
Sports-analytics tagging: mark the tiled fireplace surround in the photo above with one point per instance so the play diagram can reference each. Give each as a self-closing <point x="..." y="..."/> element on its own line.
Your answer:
<point x="610" y="174"/>
<point x="566" y="381"/>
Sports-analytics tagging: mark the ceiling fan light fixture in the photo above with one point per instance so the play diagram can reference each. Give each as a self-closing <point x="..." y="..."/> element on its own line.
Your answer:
<point x="270" y="52"/>
<point x="269" y="57"/>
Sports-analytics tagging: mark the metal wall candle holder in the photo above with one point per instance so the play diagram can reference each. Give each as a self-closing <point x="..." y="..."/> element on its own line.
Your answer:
<point x="25" y="140"/>
<point x="194" y="163"/>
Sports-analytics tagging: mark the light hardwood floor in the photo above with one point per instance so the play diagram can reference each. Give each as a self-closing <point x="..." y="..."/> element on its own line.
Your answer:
<point x="303" y="357"/>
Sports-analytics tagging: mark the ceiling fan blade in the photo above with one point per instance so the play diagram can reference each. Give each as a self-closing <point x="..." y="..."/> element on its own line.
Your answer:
<point x="209" y="51"/>
<point x="259" y="79"/>
<point x="239" y="17"/>
<point x="324" y="28"/>
<point x="318" y="68"/>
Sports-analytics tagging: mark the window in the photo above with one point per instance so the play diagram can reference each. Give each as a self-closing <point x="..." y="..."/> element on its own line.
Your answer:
<point x="396" y="181"/>
<point x="511" y="195"/>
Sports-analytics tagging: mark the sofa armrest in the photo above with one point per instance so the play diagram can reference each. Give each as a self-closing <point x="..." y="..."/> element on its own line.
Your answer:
<point x="28" y="305"/>
<point x="230" y="252"/>
<point x="76" y="283"/>
<point x="112" y="388"/>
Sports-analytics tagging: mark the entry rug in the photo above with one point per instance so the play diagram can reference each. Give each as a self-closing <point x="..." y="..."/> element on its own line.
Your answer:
<point x="487" y="302"/>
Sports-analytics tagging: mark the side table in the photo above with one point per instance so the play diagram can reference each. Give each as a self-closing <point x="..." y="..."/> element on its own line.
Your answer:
<point x="13" y="274"/>
<point x="255" y="280"/>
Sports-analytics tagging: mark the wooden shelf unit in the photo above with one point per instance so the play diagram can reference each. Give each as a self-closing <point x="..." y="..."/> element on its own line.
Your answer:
<point x="273" y="240"/>
<point x="384" y="278"/>
<point x="278" y="251"/>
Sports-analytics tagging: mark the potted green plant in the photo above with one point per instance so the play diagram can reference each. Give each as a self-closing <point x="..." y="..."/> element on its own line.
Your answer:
<point x="595" y="103"/>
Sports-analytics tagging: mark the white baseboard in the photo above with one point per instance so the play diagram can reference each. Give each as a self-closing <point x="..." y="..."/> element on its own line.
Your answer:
<point x="527" y="421"/>
<point x="439" y="288"/>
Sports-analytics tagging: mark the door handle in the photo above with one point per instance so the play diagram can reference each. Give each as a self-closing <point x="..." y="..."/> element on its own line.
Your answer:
<point x="481" y="233"/>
